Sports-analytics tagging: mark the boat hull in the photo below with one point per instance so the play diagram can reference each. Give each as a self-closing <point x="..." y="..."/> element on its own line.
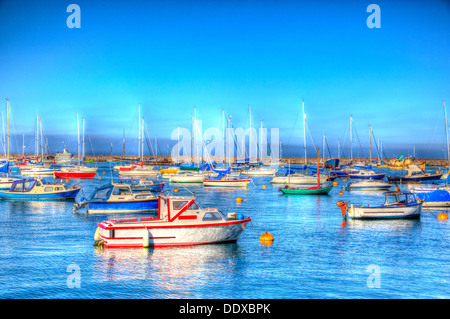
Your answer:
<point x="66" y="195"/>
<point x="230" y="183"/>
<point x="385" y="212"/>
<point x="74" y="174"/>
<point x="122" y="207"/>
<point x="435" y="198"/>
<point x="306" y="191"/>
<point x="177" y="235"/>
<point x="403" y="179"/>
<point x="304" y="180"/>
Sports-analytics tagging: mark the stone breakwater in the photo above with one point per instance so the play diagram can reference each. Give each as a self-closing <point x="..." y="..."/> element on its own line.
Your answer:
<point x="166" y="160"/>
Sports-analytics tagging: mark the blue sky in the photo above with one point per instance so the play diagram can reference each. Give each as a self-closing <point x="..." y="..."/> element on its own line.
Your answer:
<point x="169" y="56"/>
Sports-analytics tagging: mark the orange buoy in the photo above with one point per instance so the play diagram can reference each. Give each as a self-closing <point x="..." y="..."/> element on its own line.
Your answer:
<point x="335" y="183"/>
<point x="341" y="193"/>
<point x="175" y="190"/>
<point x="266" y="238"/>
<point x="264" y="186"/>
<point x="238" y="199"/>
<point x="442" y="216"/>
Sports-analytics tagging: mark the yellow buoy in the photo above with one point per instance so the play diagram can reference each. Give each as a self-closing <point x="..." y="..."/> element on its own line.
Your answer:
<point x="103" y="172"/>
<point x="99" y="177"/>
<point x="266" y="238"/>
<point x="341" y="193"/>
<point x="264" y="186"/>
<point x="344" y="180"/>
<point x="238" y="199"/>
<point x="335" y="183"/>
<point x="67" y="180"/>
<point x="397" y="189"/>
<point x="175" y="190"/>
<point x="442" y="216"/>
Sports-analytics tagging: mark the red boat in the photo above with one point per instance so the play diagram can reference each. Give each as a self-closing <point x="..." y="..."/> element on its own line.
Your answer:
<point x="74" y="174"/>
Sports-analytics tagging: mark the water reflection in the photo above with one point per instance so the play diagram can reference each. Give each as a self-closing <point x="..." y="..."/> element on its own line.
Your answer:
<point x="172" y="269"/>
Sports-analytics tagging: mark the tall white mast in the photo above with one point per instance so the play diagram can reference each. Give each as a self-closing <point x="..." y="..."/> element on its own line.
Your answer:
<point x="142" y="143"/>
<point x="37" y="135"/>
<point x="304" y="129"/>
<point x="7" y="134"/>
<point x="78" y="133"/>
<point x="446" y="131"/>
<point x="223" y="135"/>
<point x="139" y="123"/>
<point x="351" y="138"/>
<point x="370" y="145"/>
<point x="83" y="140"/>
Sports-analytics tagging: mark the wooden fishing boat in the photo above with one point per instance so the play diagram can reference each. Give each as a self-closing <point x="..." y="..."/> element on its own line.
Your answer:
<point x="180" y="222"/>
<point x="39" y="189"/>
<point x="396" y="205"/>
<point x="118" y="198"/>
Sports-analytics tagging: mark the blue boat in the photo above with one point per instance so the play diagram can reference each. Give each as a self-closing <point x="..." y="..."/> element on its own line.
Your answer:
<point x="118" y="198"/>
<point x="39" y="189"/>
<point x="437" y="197"/>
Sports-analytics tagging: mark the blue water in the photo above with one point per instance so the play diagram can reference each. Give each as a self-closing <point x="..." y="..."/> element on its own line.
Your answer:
<point x="46" y="251"/>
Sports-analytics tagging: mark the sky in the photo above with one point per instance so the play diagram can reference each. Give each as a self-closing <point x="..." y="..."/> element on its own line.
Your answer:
<point x="267" y="56"/>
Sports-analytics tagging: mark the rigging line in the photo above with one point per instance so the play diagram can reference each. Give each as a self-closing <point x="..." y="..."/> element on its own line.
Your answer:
<point x="326" y="143"/>
<point x="360" y="146"/>
<point x="307" y="127"/>
<point x="147" y="141"/>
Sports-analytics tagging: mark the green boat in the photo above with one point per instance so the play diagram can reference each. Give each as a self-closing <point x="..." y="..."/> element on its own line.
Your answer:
<point x="315" y="190"/>
<point x="306" y="191"/>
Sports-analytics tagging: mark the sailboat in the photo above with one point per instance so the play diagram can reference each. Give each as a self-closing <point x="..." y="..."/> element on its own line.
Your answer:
<point x="6" y="182"/>
<point x="314" y="190"/>
<point x="78" y="171"/>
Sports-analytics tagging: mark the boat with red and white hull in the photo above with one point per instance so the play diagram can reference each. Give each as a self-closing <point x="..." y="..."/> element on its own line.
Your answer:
<point x="180" y="222"/>
<point x="76" y="172"/>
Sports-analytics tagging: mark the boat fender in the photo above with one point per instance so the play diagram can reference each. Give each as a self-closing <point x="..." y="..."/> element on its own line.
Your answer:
<point x="145" y="238"/>
<point x="442" y="216"/>
<point x="240" y="216"/>
<point x="73" y="187"/>
<point x="97" y="236"/>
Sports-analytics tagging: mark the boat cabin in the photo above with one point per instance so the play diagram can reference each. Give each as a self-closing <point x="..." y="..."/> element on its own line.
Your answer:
<point x="26" y="185"/>
<point x="400" y="199"/>
<point x="117" y="192"/>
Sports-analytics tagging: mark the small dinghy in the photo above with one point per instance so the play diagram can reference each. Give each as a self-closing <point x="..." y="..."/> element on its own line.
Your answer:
<point x="396" y="205"/>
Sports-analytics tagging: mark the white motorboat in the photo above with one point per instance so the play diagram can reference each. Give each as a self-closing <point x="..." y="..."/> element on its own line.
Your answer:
<point x="180" y="222"/>
<point x="396" y="205"/>
<point x="368" y="185"/>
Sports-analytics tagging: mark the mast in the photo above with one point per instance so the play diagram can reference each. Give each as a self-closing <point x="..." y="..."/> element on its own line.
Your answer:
<point x="250" y="136"/>
<point x="139" y="123"/>
<point x="318" y="169"/>
<point x="7" y="134"/>
<point x="370" y="145"/>
<point x="304" y="129"/>
<point x="123" y="144"/>
<point x="83" y="140"/>
<point x="193" y="139"/>
<point x="42" y="140"/>
<point x="37" y="136"/>
<point x="78" y="133"/>
<point x="142" y="141"/>
<point x="223" y="135"/>
<point x="260" y="143"/>
<point x="446" y="131"/>
<point x="351" y="138"/>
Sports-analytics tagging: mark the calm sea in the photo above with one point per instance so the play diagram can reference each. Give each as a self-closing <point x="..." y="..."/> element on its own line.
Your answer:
<point x="314" y="254"/>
